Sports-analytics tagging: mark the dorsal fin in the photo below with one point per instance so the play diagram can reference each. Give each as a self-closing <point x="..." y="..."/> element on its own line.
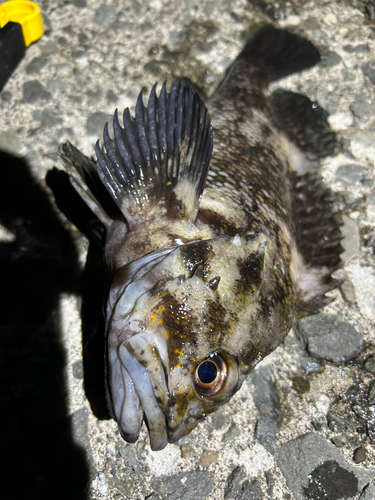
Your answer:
<point x="161" y="157"/>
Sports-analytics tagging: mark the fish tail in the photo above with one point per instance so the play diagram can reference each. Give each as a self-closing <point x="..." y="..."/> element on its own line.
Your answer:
<point x="282" y="52"/>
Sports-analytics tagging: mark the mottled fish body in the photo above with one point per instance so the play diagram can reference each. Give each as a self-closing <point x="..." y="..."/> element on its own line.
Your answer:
<point x="211" y="259"/>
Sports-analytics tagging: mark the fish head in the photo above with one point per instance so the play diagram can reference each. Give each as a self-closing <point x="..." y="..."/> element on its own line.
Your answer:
<point x="177" y="335"/>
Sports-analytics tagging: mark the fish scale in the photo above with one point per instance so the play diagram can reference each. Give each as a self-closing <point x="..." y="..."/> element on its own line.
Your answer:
<point x="221" y="234"/>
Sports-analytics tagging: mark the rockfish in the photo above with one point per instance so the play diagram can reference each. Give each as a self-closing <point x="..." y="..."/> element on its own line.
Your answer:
<point x="220" y="236"/>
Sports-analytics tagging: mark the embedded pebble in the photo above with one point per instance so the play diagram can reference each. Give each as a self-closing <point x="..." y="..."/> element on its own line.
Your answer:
<point x="350" y="174"/>
<point x="352" y="240"/>
<point x="78" y="370"/>
<point x="329" y="337"/>
<point x="368" y="69"/>
<point x="36" y="65"/>
<point x="339" y="441"/>
<point x="208" y="457"/>
<point x="330" y="59"/>
<point x="348" y="291"/>
<point x="370" y="364"/>
<point x="359" y="455"/>
<point x="267" y="402"/>
<point x="34" y="90"/>
<point x="232" y="432"/>
<point x="361" y="107"/>
<point x="104" y="14"/>
<point x="239" y="487"/>
<point x="188" y="485"/>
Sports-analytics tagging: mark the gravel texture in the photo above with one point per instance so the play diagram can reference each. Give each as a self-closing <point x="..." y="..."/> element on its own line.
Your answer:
<point x="303" y="425"/>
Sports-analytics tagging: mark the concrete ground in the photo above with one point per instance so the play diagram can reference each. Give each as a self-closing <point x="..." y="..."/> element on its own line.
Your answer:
<point x="303" y="425"/>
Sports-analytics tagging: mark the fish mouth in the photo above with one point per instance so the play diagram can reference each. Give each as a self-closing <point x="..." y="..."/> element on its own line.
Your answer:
<point x="139" y="389"/>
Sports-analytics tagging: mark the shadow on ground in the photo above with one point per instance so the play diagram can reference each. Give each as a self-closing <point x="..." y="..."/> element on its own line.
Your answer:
<point x="39" y="457"/>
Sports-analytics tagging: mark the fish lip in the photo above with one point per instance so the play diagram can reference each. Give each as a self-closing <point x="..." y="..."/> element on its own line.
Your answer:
<point x="154" y="415"/>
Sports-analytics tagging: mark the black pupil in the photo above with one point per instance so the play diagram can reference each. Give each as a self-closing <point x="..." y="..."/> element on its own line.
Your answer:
<point x="207" y="372"/>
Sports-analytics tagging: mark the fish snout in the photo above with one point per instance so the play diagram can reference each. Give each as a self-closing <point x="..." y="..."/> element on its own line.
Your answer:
<point x="139" y="389"/>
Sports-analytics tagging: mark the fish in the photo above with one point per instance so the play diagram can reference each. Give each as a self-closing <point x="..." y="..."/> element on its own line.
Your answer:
<point x="220" y="233"/>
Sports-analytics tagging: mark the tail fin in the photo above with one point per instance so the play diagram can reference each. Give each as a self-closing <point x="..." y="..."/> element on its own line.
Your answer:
<point x="283" y="53"/>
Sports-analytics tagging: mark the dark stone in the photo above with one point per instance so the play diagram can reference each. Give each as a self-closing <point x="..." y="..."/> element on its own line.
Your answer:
<point x="371" y="393"/>
<point x="329" y="337"/>
<point x="239" y="487"/>
<point x="366" y="416"/>
<point x="311" y="23"/>
<point x="153" y="67"/>
<point x="36" y="65"/>
<point x="337" y="423"/>
<point x="78" y="370"/>
<point x="339" y="441"/>
<point x="79" y="3"/>
<point x="359" y="455"/>
<point x="187" y="485"/>
<point x="300" y="384"/>
<point x="330" y="59"/>
<point x="275" y="10"/>
<point x="206" y="46"/>
<point x="219" y="419"/>
<point x="111" y="97"/>
<point x="270" y="483"/>
<point x="83" y="38"/>
<point x="146" y="27"/>
<point x="315" y="469"/>
<point x="317" y="425"/>
<point x="363" y="48"/>
<point x="368" y="70"/>
<point x="33" y="91"/>
<point x="267" y="402"/>
<point x="62" y="41"/>
<point x="330" y="481"/>
<point x="49" y="118"/>
<point x="5" y="96"/>
<point x="95" y="123"/>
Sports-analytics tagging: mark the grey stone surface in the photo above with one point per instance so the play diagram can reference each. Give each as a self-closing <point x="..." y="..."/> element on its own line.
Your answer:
<point x="120" y="48"/>
<point x="314" y="469"/>
<point x="329" y="337"/>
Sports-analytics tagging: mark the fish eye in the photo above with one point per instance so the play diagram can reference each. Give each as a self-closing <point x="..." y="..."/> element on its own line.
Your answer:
<point x="210" y="375"/>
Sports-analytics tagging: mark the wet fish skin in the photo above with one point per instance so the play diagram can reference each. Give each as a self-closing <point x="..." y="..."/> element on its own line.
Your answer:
<point x="210" y="279"/>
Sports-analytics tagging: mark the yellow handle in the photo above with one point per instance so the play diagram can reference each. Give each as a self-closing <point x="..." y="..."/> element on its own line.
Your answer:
<point x="27" y="14"/>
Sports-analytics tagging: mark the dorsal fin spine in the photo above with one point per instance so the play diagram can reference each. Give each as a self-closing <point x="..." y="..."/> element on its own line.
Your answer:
<point x="160" y="153"/>
<point x="140" y="121"/>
